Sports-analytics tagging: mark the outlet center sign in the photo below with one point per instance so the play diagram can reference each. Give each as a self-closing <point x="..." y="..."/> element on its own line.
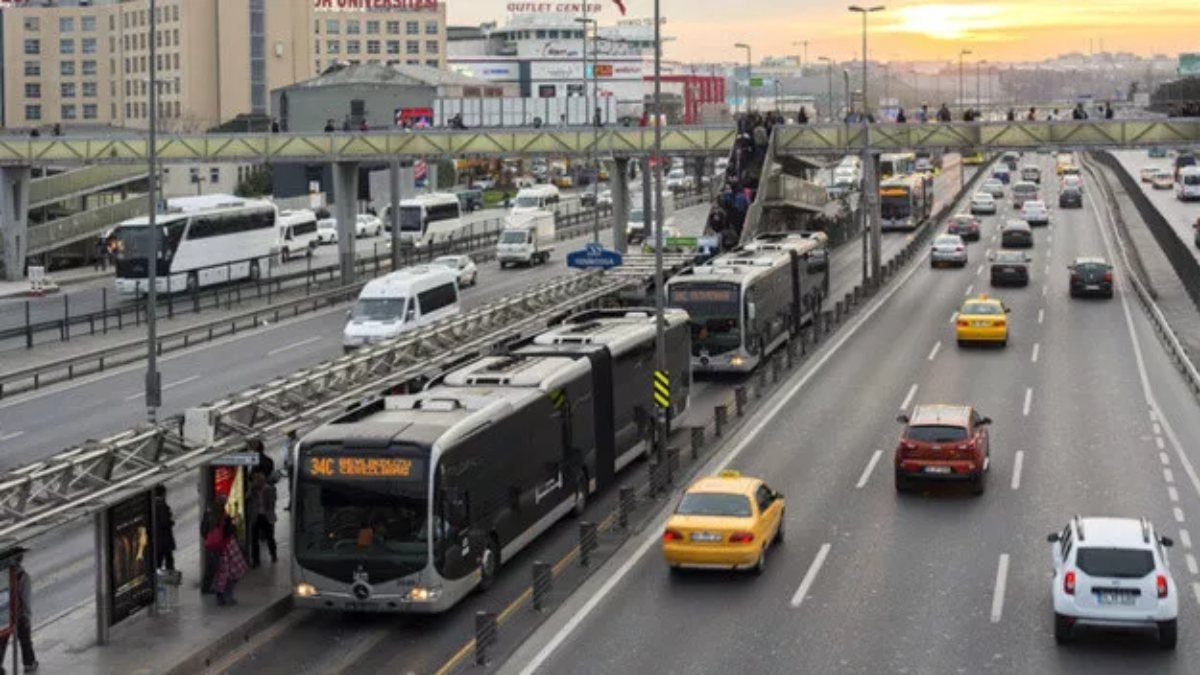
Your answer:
<point x="559" y="7"/>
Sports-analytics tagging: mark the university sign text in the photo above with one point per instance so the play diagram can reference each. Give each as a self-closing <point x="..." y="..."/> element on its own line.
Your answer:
<point x="350" y="5"/>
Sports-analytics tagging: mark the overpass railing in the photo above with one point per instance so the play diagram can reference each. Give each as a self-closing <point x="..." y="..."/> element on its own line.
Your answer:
<point x="83" y="225"/>
<point x="51" y="189"/>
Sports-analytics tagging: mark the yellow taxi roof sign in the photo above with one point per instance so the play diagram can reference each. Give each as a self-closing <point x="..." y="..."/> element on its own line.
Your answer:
<point x="730" y="473"/>
<point x="983" y="296"/>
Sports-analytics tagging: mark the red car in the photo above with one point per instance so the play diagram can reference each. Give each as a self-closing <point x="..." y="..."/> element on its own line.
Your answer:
<point x="964" y="225"/>
<point x="943" y="443"/>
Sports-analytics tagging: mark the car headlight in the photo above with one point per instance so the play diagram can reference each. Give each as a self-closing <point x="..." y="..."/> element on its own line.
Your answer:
<point x="306" y="590"/>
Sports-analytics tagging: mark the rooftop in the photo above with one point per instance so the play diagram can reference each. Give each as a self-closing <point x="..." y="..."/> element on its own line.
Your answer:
<point x="379" y="74"/>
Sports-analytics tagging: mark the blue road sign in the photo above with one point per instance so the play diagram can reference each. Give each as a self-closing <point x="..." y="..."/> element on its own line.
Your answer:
<point x="594" y="256"/>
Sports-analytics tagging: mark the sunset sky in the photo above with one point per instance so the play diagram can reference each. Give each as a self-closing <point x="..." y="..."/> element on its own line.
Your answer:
<point x="705" y="30"/>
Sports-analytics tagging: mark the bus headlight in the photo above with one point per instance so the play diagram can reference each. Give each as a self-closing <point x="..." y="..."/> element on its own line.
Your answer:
<point x="736" y="361"/>
<point x="423" y="594"/>
<point x="306" y="590"/>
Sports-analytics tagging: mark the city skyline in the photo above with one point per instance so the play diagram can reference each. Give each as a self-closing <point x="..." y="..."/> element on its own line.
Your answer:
<point x="999" y="30"/>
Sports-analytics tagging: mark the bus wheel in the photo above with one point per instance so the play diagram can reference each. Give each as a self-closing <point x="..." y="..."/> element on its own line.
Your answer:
<point x="193" y="282"/>
<point x="255" y="272"/>
<point x="284" y="254"/>
<point x="489" y="564"/>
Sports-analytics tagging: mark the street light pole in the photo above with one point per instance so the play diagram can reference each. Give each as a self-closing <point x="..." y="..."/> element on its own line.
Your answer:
<point x="871" y="223"/>
<point x="593" y="112"/>
<point x="749" y="73"/>
<point x="153" y="394"/>
<point x="961" y="54"/>
<point x="829" y="73"/>
<point x="660" y="346"/>
<point x="978" y="83"/>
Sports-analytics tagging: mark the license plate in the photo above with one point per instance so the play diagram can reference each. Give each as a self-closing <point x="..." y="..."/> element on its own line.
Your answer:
<point x="980" y="324"/>
<point x="1010" y="270"/>
<point x="937" y="469"/>
<point x="1113" y="598"/>
<point x="1093" y="287"/>
<point x="706" y="536"/>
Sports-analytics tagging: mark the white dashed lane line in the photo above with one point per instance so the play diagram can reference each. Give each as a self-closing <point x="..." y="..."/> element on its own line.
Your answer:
<point x="1168" y="476"/>
<point x="810" y="576"/>
<point x="866" y="474"/>
<point x="11" y="435"/>
<point x="908" y="399"/>
<point x="970" y="289"/>
<point x="1018" y="464"/>
<point x="1185" y="538"/>
<point x="934" y="352"/>
<point x="998" y="593"/>
<point x="1173" y="493"/>
<point x="1164" y="458"/>
<point x="1160" y="443"/>
<point x="1191" y="563"/>
<point x="1041" y="315"/>
<point x="1178" y="513"/>
<point x="1028" y="401"/>
<point x="1033" y="357"/>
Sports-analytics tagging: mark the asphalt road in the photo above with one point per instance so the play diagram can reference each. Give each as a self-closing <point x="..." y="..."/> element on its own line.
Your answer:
<point x="319" y="642"/>
<point x="1181" y="215"/>
<point x="1089" y="415"/>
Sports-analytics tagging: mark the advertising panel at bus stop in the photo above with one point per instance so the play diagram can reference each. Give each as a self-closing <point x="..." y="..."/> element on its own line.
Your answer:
<point x="130" y="557"/>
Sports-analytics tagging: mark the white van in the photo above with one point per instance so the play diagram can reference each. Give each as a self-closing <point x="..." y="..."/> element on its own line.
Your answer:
<point x="428" y="219"/>
<point x="536" y="198"/>
<point x="297" y="232"/>
<point x="635" y="229"/>
<point x="1187" y="187"/>
<point x="528" y="238"/>
<point x="400" y="302"/>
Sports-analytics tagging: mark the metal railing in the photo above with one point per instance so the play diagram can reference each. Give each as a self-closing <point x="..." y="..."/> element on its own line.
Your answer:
<point x="51" y="189"/>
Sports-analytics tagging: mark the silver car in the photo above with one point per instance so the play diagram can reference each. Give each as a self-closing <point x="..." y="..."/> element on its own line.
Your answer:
<point x="983" y="202"/>
<point x="949" y="249"/>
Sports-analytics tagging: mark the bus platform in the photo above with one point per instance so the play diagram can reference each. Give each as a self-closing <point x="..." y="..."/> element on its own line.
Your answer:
<point x="194" y="638"/>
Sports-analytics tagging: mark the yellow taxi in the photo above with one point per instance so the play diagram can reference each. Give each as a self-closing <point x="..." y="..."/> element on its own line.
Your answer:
<point x="982" y="319"/>
<point x="727" y="521"/>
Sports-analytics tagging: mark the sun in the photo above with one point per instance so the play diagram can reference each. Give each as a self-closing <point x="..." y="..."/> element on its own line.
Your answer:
<point x="946" y="22"/>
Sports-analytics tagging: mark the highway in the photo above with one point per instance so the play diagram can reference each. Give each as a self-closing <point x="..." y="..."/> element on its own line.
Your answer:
<point x="1089" y="415"/>
<point x="422" y="643"/>
<point x="1181" y="215"/>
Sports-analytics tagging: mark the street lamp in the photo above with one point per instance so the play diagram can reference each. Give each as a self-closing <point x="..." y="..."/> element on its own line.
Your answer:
<point x="978" y="83"/>
<point x="153" y="393"/>
<point x="865" y="11"/>
<point x="829" y="72"/>
<point x="749" y="75"/>
<point x="804" y="61"/>
<point x="593" y="161"/>
<point x="660" y="345"/>
<point x="961" y="54"/>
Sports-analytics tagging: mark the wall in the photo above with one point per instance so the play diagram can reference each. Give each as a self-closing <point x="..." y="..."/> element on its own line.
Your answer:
<point x="309" y="108"/>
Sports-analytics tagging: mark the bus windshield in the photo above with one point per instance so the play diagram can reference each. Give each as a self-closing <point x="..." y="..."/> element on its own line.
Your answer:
<point x="895" y="207"/>
<point x="379" y="309"/>
<point x="133" y="241"/>
<point x="715" y="313"/>
<point x="410" y="219"/>
<point x="362" y="519"/>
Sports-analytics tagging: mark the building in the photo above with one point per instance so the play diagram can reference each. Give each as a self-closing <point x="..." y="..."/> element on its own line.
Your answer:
<point x="85" y="62"/>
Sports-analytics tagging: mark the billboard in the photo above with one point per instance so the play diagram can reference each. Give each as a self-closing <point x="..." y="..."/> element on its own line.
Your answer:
<point x="130" y="557"/>
<point x="378" y="5"/>
<point x="1189" y="63"/>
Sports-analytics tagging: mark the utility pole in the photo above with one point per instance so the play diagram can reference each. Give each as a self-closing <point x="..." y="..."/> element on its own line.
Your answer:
<point x="961" y="54"/>
<point x="594" y="113"/>
<point x="749" y="73"/>
<point x="153" y="379"/>
<point x="660" y="346"/>
<point x="871" y="221"/>
<point x="829" y="73"/>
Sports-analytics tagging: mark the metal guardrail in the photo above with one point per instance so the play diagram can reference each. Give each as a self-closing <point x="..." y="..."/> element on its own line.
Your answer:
<point x="1162" y="326"/>
<point x="51" y="189"/>
<point x="83" y="225"/>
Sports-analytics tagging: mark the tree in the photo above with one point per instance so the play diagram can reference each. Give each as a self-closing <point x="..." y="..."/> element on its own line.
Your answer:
<point x="257" y="183"/>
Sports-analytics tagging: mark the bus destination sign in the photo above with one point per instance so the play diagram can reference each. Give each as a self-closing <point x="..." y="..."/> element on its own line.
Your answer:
<point x="361" y="467"/>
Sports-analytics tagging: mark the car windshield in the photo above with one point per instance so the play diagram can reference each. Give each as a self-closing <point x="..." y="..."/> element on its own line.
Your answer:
<point x="983" y="197"/>
<point x="714" y="504"/>
<point x="981" y="308"/>
<point x="379" y="309"/>
<point x="1192" y="179"/>
<point x="1121" y="563"/>
<point x="714" y="311"/>
<point x="1010" y="257"/>
<point x="948" y="240"/>
<point x="1091" y="267"/>
<point x="448" y="261"/>
<point x="935" y="433"/>
<point x="1025" y="188"/>
<point x="513" y="237"/>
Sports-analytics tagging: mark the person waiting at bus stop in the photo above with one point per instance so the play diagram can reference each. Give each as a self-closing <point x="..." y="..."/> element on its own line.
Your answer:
<point x="221" y="542"/>
<point x="262" y="496"/>
<point x="24" y="618"/>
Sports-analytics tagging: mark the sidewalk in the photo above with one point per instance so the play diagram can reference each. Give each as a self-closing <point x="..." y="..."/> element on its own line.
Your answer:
<point x="55" y="281"/>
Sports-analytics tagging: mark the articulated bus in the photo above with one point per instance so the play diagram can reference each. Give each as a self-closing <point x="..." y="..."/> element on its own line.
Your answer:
<point x="202" y="241"/>
<point x="897" y="164"/>
<point x="906" y="201"/>
<point x="410" y="502"/>
<point x="745" y="304"/>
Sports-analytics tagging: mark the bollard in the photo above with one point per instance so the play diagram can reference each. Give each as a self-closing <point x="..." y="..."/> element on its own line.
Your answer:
<point x="652" y="467"/>
<point x="485" y="635"/>
<point x="697" y="441"/>
<point x="848" y="301"/>
<point x="791" y="354"/>
<point x="739" y="400"/>
<point x="587" y="542"/>
<point x="720" y="414"/>
<point x="837" y="311"/>
<point x="672" y="464"/>
<point x="760" y="381"/>
<point x="626" y="501"/>
<point x="543" y="583"/>
<point x="775" y="369"/>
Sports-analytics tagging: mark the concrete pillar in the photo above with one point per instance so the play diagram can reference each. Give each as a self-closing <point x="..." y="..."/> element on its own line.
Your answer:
<point x="618" y="180"/>
<point x="14" y="221"/>
<point x="699" y="168"/>
<point x="345" y="197"/>
<point x="431" y="175"/>
<point x="648" y="219"/>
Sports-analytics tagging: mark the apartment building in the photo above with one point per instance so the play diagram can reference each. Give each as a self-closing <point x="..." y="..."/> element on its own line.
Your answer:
<point x="81" y="62"/>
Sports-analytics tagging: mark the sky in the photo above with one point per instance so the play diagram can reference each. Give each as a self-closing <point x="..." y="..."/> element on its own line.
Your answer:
<point x="998" y="30"/>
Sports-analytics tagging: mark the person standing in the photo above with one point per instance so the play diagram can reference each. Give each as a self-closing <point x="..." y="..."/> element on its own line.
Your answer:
<point x="221" y="540"/>
<point x="24" y="618"/>
<point x="213" y="519"/>
<point x="164" y="532"/>
<point x="263" y="529"/>
<point x="266" y="465"/>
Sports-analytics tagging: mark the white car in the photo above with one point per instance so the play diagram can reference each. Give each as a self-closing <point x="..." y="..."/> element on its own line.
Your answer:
<point x="948" y="249"/>
<point x="678" y="179"/>
<point x="1113" y="572"/>
<point x="367" y="225"/>
<point x="1071" y="181"/>
<point x="994" y="187"/>
<point x="983" y="202"/>
<point x="468" y="273"/>
<point x="1035" y="212"/>
<point x="327" y="231"/>
<point x="604" y="198"/>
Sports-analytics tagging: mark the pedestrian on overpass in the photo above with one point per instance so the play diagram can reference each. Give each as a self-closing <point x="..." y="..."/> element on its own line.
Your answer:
<point x="1108" y="110"/>
<point x="923" y="113"/>
<point x="24" y="617"/>
<point x="262" y="495"/>
<point x="900" y="118"/>
<point x="1012" y="115"/>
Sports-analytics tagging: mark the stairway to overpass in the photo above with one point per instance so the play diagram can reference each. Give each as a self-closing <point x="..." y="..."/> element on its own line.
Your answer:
<point x="81" y="182"/>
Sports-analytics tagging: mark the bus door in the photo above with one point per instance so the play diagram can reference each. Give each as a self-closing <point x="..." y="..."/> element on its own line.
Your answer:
<point x="797" y="294"/>
<point x="604" y="424"/>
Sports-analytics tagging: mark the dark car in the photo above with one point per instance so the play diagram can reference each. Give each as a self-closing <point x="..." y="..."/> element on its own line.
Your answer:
<point x="1010" y="268"/>
<point x="1091" y="276"/>
<point x="1016" y="234"/>
<point x="964" y="225"/>
<point x="470" y="199"/>
<point x="1070" y="198"/>
<point x="1183" y="160"/>
<point x="943" y="443"/>
<point x="587" y="198"/>
<point x="1196" y="227"/>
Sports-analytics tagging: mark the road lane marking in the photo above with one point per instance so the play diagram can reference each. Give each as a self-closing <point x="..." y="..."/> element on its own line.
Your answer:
<point x="1157" y="429"/>
<point x="1172" y="493"/>
<point x="1047" y="268"/>
<point x="1168" y="476"/>
<point x="934" y="351"/>
<point x="1036" y="347"/>
<point x="912" y="391"/>
<point x="1041" y="315"/>
<point x="1191" y="563"/>
<point x="1185" y="538"/>
<point x="866" y="474"/>
<point x="1164" y="458"/>
<point x="1158" y="440"/>
<point x="301" y="343"/>
<point x="970" y="289"/>
<point x="979" y="270"/>
<point x="170" y="385"/>
<point x="1018" y="464"/>
<point x="1045" y="289"/>
<point x="1049" y="237"/>
<point x="998" y="593"/>
<point x="12" y="435"/>
<point x="1178" y="513"/>
<point x="750" y="435"/>
<point x="1028" y="400"/>
<point x="810" y="576"/>
<point x="1196" y="590"/>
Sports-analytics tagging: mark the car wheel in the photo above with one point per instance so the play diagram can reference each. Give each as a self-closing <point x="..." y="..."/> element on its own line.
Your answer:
<point x="979" y="483"/>
<point x="760" y="565"/>
<point x="489" y="565"/>
<point x="1062" y="629"/>
<point x="1003" y="343"/>
<point x="903" y="485"/>
<point x="676" y="570"/>
<point x="283" y="254"/>
<point x="1168" y="634"/>
<point x="962" y="343"/>
<point x="779" y="532"/>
